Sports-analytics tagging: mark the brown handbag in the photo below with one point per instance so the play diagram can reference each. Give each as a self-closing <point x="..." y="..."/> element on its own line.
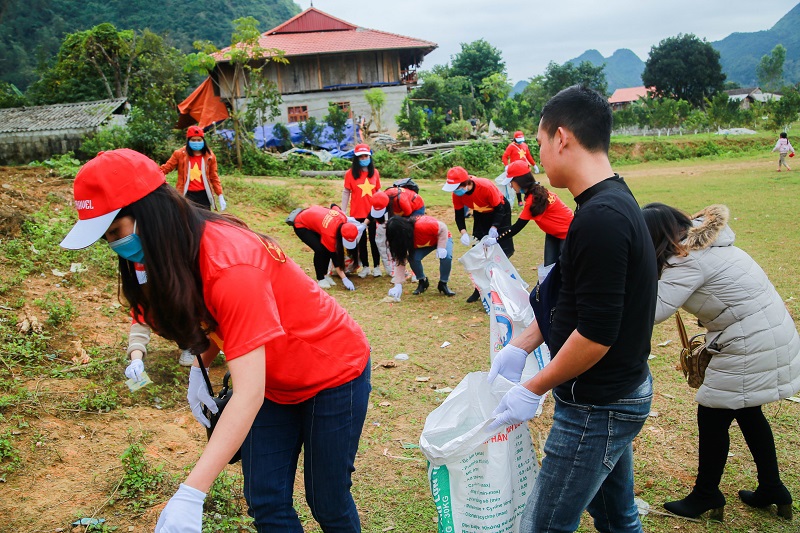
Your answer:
<point x="694" y="355"/>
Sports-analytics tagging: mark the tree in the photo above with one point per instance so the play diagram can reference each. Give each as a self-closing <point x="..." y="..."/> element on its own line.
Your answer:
<point x="783" y="112"/>
<point x="684" y="67"/>
<point x="721" y="110"/>
<point x="376" y="99"/>
<point x="770" y="69"/>
<point x="477" y="60"/>
<point x="558" y="77"/>
<point x="511" y="114"/>
<point x="412" y="120"/>
<point x="10" y="96"/>
<point x="311" y="131"/>
<point x="337" y="120"/>
<point x="494" y="89"/>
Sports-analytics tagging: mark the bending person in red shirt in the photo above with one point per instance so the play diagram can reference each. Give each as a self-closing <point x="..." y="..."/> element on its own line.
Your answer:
<point x="542" y="206"/>
<point x="518" y="150"/>
<point x="299" y="362"/>
<point x="362" y="181"/>
<point x="411" y="240"/>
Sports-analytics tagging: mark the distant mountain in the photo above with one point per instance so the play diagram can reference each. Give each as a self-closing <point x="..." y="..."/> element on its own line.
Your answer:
<point x="622" y="69"/>
<point x="518" y="88"/>
<point x="740" y="53"/>
<point x="31" y="31"/>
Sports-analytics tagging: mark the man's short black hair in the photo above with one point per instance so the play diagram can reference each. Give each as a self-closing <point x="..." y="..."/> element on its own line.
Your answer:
<point x="584" y="112"/>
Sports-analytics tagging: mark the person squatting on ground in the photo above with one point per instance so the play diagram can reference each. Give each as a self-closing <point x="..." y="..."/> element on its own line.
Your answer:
<point x="542" y="206"/>
<point x="599" y="337"/>
<point x="361" y="181"/>
<point x="328" y="233"/>
<point x="518" y="150"/>
<point x="197" y="170"/>
<point x="404" y="202"/>
<point x="411" y="240"/>
<point x="491" y="211"/>
<point x="784" y="148"/>
<point x="298" y="361"/>
<point x="379" y="213"/>
<point x="753" y="344"/>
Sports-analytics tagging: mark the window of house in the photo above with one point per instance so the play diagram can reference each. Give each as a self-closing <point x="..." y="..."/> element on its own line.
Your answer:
<point x="297" y="113"/>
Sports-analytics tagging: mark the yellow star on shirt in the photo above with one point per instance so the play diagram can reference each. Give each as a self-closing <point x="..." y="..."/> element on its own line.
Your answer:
<point x="366" y="188"/>
<point x="429" y="243"/>
<point x="481" y="208"/>
<point x="195" y="174"/>
<point x="521" y="153"/>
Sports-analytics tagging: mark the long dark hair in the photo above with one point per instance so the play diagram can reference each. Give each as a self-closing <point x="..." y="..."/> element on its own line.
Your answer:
<point x="668" y="228"/>
<point x="356" y="168"/>
<point x="338" y="255"/>
<point x="529" y="186"/>
<point x="172" y="302"/>
<point x="205" y="150"/>
<point x="400" y="237"/>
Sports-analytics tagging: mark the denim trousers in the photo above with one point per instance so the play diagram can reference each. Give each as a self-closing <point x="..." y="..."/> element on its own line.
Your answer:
<point x="588" y="464"/>
<point x="327" y="428"/>
<point x="445" y="265"/>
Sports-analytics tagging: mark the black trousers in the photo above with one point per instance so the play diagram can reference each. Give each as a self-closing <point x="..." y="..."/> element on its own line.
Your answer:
<point x="322" y="255"/>
<point x="552" y="248"/>
<point x="200" y="198"/>
<point x="481" y="222"/>
<point x="362" y="245"/>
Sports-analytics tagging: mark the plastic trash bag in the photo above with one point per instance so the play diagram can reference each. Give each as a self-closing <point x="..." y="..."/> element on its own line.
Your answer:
<point x="480" y="261"/>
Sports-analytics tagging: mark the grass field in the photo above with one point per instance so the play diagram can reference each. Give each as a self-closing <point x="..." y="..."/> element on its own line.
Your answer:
<point x="67" y="456"/>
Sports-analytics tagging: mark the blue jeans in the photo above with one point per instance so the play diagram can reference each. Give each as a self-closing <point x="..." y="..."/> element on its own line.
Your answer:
<point x="327" y="427"/>
<point x="445" y="265"/>
<point x="588" y="465"/>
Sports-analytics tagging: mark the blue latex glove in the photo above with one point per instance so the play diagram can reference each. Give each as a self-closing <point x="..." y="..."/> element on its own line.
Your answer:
<point x="183" y="513"/>
<point x="198" y="396"/>
<point x="348" y="284"/>
<point x="508" y="363"/>
<point x="517" y="406"/>
<point x="134" y="370"/>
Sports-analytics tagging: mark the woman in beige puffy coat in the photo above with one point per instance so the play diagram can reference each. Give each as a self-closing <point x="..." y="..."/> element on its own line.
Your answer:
<point x="752" y="339"/>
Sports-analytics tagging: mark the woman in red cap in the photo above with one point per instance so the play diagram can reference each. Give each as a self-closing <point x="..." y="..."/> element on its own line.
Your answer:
<point x="327" y="232"/>
<point x="491" y="211"/>
<point x="518" y="150"/>
<point x="542" y="206"/>
<point x="299" y="363"/>
<point x="362" y="181"/>
<point x="197" y="170"/>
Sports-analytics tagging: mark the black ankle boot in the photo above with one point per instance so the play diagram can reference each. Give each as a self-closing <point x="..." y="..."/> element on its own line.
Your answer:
<point x="474" y="297"/>
<point x="444" y="289"/>
<point x="765" y="498"/>
<point x="695" y="504"/>
<point x="422" y="286"/>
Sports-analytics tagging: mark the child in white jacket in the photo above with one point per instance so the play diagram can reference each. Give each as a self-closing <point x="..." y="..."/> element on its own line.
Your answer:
<point x="783" y="147"/>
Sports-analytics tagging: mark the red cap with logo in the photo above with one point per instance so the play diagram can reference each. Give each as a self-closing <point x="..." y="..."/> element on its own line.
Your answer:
<point x="518" y="135"/>
<point x="514" y="170"/>
<point x="195" y="131"/>
<point x="455" y="177"/>
<point x="380" y="200"/>
<point x="362" y="149"/>
<point x="109" y="182"/>
<point x="349" y="235"/>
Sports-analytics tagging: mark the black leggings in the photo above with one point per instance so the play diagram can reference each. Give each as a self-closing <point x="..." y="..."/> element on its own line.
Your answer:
<point x="200" y="198"/>
<point x="552" y="248"/>
<point x="362" y="245"/>
<point x="322" y="255"/>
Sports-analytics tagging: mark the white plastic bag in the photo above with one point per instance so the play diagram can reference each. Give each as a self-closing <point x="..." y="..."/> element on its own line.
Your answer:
<point x="479" y="261"/>
<point x="480" y="481"/>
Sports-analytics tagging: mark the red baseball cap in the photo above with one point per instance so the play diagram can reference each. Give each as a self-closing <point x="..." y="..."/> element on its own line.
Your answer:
<point x="195" y="131"/>
<point x="514" y="170"/>
<point x="103" y="186"/>
<point x="362" y="149"/>
<point x="380" y="200"/>
<point x="519" y="135"/>
<point x="349" y="235"/>
<point x="455" y="177"/>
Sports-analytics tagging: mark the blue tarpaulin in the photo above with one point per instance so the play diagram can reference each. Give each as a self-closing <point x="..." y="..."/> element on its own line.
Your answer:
<point x="265" y="139"/>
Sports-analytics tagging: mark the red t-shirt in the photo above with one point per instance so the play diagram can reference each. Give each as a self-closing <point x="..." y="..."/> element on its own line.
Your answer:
<point x="403" y="202"/>
<point x="426" y="232"/>
<point x="196" y="173"/>
<point x="555" y="219"/>
<point x="361" y="191"/>
<point x="483" y="199"/>
<point x="517" y="152"/>
<point x="323" y="221"/>
<point x="259" y="297"/>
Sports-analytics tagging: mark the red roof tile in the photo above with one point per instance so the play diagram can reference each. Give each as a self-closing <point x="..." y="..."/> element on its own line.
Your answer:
<point x="628" y="94"/>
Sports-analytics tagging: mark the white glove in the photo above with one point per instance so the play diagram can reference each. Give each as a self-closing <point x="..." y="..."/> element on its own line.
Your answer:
<point x="198" y="395"/>
<point x="223" y="205"/>
<point x="535" y="169"/>
<point x="134" y="370"/>
<point x="441" y="253"/>
<point x="508" y="363"/>
<point x="465" y="239"/>
<point x="518" y="405"/>
<point x="348" y="284"/>
<point x="183" y="513"/>
<point x="489" y="242"/>
<point x="396" y="291"/>
<point x="506" y="168"/>
<point x="493" y="232"/>
<point x="353" y="220"/>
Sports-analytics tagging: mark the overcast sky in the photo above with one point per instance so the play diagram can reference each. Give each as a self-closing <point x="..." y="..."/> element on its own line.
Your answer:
<point x="531" y="34"/>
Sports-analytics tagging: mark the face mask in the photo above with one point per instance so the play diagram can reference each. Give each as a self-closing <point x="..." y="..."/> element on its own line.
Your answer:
<point x="364" y="162"/>
<point x="519" y="141"/>
<point x="461" y="191"/>
<point x="196" y="145"/>
<point x="129" y="247"/>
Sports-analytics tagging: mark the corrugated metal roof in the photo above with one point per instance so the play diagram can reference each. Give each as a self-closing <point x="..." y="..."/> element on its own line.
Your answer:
<point x="58" y="116"/>
<point x="311" y="19"/>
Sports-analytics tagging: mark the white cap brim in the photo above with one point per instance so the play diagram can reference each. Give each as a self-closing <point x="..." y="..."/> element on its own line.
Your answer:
<point x="361" y="153"/>
<point x="502" y="180"/>
<point x="86" y="232"/>
<point x="450" y="187"/>
<point x="349" y="244"/>
<point x="377" y="213"/>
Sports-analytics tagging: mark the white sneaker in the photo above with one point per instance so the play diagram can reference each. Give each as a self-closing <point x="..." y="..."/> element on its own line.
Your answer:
<point x="186" y="358"/>
<point x="414" y="278"/>
<point x="324" y="284"/>
<point x="364" y="272"/>
<point x="376" y="272"/>
<point x="330" y="280"/>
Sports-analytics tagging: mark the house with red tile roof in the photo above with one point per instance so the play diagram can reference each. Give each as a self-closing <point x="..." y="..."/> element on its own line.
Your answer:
<point x="623" y="97"/>
<point x="332" y="60"/>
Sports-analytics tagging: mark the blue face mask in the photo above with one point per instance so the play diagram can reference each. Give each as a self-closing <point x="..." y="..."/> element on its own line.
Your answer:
<point x="364" y="162"/>
<point x="519" y="141"/>
<point x="196" y="145"/>
<point x="129" y="247"/>
<point x="461" y="191"/>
